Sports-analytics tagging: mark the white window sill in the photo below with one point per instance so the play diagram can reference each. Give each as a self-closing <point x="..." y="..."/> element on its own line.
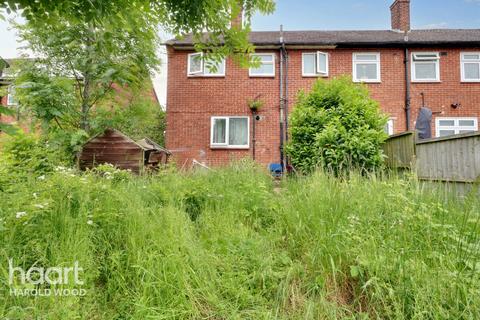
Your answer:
<point x="426" y="81"/>
<point x="470" y="81"/>
<point x="206" y="76"/>
<point x="315" y="75"/>
<point x="229" y="147"/>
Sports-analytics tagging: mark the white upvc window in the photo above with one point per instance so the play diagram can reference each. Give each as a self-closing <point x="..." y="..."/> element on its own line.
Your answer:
<point x="315" y="64"/>
<point x="230" y="132"/>
<point x="470" y="66"/>
<point x="266" y="67"/>
<point x="425" y="67"/>
<point x="11" y="96"/>
<point x="449" y="126"/>
<point x="366" y="67"/>
<point x="389" y="129"/>
<point x="198" y="65"/>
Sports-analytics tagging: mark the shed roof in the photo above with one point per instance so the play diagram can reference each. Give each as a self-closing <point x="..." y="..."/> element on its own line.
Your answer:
<point x="149" y="144"/>
<point x="377" y="38"/>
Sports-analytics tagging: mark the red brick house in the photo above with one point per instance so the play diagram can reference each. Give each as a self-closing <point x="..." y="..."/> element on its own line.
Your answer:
<point x="208" y="118"/>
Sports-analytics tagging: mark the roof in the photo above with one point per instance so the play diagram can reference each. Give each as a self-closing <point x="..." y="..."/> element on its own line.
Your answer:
<point x="376" y="38"/>
<point x="149" y="144"/>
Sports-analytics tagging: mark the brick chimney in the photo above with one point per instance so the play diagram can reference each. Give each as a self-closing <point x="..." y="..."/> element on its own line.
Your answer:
<point x="400" y="10"/>
<point x="237" y="21"/>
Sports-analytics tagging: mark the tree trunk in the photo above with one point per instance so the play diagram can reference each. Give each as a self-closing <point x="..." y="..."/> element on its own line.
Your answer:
<point x="85" y="121"/>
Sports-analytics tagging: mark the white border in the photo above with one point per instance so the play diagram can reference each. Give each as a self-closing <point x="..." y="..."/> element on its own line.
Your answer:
<point x="227" y="133"/>
<point x="412" y="67"/>
<point x="316" y="74"/>
<point x="455" y="127"/>
<point x="376" y="62"/>
<point x="202" y="73"/>
<point x="462" y="69"/>
<point x="263" y="75"/>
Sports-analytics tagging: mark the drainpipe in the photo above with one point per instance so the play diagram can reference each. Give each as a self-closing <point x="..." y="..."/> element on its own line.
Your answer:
<point x="286" y="94"/>
<point x="407" y="88"/>
<point x="254" y="139"/>
<point x="282" y="105"/>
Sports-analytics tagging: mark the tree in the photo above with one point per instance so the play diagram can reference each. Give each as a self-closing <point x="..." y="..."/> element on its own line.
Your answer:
<point x="96" y="54"/>
<point x="177" y="17"/>
<point x="336" y="126"/>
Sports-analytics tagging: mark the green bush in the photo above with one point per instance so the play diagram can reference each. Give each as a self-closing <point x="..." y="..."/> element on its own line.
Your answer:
<point x="336" y="126"/>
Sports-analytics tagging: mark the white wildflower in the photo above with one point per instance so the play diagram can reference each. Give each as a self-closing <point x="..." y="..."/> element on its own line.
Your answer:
<point x="35" y="195"/>
<point x="20" y="214"/>
<point x="41" y="178"/>
<point x="40" y="206"/>
<point x="90" y="222"/>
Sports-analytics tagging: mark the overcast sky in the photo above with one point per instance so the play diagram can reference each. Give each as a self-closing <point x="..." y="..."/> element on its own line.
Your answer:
<point x="325" y="15"/>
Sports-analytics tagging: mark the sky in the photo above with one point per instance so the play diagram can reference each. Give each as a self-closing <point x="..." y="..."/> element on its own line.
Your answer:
<point x="325" y="15"/>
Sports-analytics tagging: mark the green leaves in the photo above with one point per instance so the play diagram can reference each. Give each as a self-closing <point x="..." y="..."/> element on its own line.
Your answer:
<point x="336" y="126"/>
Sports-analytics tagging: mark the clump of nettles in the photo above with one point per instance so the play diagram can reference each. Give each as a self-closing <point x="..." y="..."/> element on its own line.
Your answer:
<point x="338" y="127"/>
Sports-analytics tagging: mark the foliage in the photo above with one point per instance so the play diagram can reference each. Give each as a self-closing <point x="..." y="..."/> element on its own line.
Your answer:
<point x="96" y="54"/>
<point x="225" y="244"/>
<point x="336" y="126"/>
<point x="49" y="99"/>
<point x="255" y="104"/>
<point x="176" y="17"/>
<point x="140" y="119"/>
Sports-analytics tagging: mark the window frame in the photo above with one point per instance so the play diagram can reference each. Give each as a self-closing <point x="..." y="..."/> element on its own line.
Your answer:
<point x="425" y="61"/>
<point x="317" y="73"/>
<point x="463" y="62"/>
<point x="226" y="145"/>
<point x="456" y="127"/>
<point x="390" y="126"/>
<point x="203" y="66"/>
<point x="270" y="75"/>
<point x="377" y="62"/>
<point x="11" y="96"/>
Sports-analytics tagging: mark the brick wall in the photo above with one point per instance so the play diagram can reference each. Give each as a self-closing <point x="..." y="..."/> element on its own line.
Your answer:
<point x="191" y="102"/>
<point x="400" y="15"/>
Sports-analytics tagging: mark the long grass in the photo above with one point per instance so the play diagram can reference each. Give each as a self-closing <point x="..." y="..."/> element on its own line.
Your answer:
<point x="234" y="244"/>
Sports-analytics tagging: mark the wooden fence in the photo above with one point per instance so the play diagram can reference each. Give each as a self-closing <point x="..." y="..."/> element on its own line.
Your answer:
<point x="448" y="159"/>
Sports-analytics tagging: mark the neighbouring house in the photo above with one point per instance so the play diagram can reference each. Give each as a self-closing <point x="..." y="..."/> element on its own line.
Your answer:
<point x="209" y="120"/>
<point x="7" y="91"/>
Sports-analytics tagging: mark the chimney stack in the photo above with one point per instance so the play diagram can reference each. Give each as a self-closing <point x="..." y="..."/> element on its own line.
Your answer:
<point x="400" y="10"/>
<point x="237" y="21"/>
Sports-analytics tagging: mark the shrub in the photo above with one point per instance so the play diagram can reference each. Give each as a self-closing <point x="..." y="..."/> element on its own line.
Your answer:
<point x="336" y="126"/>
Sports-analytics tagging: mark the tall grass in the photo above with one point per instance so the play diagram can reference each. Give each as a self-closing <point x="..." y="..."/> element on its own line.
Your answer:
<point x="233" y="244"/>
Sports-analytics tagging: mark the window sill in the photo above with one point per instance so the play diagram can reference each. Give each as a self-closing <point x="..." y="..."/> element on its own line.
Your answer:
<point x="470" y="81"/>
<point x="205" y="76"/>
<point x="426" y="81"/>
<point x="229" y="147"/>
<point x="315" y="75"/>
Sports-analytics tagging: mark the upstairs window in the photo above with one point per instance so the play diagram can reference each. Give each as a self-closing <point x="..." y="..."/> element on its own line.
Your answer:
<point x="470" y="62"/>
<point x="426" y="67"/>
<point x="266" y="67"/>
<point x="230" y="132"/>
<point x="449" y="126"/>
<point x="366" y="67"/>
<point x="11" y="96"/>
<point x="198" y="65"/>
<point x="315" y="64"/>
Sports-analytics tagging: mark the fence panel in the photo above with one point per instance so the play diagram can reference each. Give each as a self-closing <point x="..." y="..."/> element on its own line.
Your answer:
<point x="399" y="150"/>
<point x="451" y="159"/>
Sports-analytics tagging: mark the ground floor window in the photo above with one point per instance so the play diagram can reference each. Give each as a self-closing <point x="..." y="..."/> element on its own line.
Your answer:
<point x="230" y="132"/>
<point x="11" y="96"/>
<point x="389" y="127"/>
<point x="449" y="126"/>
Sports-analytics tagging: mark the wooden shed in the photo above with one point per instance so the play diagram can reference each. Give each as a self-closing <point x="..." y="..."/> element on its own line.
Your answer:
<point x="116" y="148"/>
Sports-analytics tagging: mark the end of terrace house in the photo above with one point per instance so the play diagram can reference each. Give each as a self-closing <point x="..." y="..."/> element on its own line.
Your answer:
<point x="209" y="121"/>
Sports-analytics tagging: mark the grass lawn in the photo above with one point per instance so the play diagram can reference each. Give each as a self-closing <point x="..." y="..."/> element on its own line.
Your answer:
<point x="227" y="245"/>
